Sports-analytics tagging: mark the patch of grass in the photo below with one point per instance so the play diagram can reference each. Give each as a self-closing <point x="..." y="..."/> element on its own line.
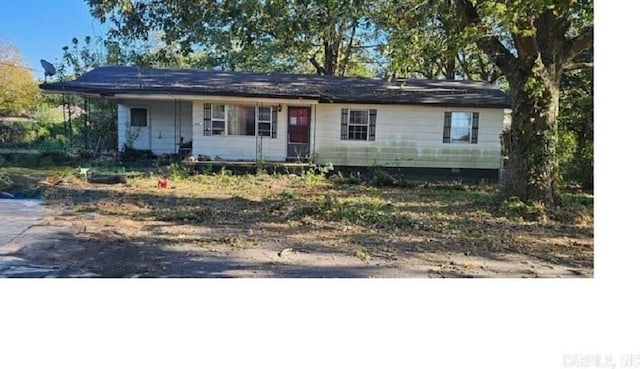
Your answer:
<point x="25" y="182"/>
<point x="232" y="240"/>
<point x="288" y="194"/>
<point x="514" y="207"/>
<point x="312" y="177"/>
<point x="362" y="254"/>
<point x="363" y="211"/>
<point x="178" y="172"/>
<point x="317" y="176"/>
<point x="42" y="160"/>
<point x="225" y="176"/>
<point x="382" y="178"/>
<point x="193" y="214"/>
<point x="576" y="209"/>
<point x="353" y="179"/>
<point x="448" y="186"/>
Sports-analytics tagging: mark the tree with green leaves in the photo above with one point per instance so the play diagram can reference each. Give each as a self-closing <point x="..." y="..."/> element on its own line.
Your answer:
<point x="423" y="40"/>
<point x="532" y="43"/>
<point x="320" y="36"/>
<point x="18" y="90"/>
<point x="575" y="124"/>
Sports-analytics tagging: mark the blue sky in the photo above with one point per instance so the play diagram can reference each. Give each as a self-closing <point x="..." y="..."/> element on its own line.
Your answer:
<point x="40" y="28"/>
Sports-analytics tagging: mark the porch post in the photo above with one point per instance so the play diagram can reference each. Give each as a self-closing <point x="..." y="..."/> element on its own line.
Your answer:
<point x="86" y="124"/>
<point x="175" y="124"/>
<point x="69" y="116"/>
<point x="315" y="122"/>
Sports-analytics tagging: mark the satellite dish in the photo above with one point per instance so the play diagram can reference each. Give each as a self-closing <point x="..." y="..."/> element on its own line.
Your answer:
<point x="49" y="69"/>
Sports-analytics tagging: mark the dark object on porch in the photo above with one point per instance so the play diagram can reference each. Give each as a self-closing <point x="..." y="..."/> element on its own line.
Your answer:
<point x="185" y="150"/>
<point x="108" y="179"/>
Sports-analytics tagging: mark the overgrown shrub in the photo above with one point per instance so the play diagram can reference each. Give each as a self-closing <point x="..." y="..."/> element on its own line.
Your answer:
<point x="382" y="178"/>
<point x="317" y="175"/>
<point x="39" y="160"/>
<point x="353" y="178"/>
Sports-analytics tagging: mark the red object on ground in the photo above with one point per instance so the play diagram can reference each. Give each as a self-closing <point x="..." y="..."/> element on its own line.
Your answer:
<point x="163" y="183"/>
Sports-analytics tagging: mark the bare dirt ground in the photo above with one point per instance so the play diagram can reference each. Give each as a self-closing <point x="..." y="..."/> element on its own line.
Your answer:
<point x="301" y="226"/>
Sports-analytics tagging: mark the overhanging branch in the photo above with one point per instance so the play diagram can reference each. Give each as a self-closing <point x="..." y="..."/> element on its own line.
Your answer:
<point x="319" y="69"/>
<point x="491" y="45"/>
<point x="575" y="45"/>
<point x="577" y="66"/>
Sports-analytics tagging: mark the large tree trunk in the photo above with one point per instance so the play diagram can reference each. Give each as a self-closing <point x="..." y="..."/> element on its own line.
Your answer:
<point x="331" y="55"/>
<point x="531" y="172"/>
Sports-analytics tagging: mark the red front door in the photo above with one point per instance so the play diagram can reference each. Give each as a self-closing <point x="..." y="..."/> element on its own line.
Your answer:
<point x="298" y="123"/>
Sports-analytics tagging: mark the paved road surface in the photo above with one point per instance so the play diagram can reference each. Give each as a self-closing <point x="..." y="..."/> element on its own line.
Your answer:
<point x="16" y="218"/>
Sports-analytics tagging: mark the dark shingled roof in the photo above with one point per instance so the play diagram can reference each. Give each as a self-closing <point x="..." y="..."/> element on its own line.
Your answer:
<point x="112" y="80"/>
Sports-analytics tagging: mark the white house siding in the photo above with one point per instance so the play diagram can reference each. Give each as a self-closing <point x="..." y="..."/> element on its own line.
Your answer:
<point x="239" y="148"/>
<point x="123" y="123"/>
<point x="408" y="136"/>
<point x="167" y="122"/>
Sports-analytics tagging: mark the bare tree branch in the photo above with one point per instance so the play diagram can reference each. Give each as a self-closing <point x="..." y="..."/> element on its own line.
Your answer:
<point x="347" y="53"/>
<point x="575" y="45"/>
<point x="527" y="45"/>
<point x="319" y="68"/>
<point x="577" y="66"/>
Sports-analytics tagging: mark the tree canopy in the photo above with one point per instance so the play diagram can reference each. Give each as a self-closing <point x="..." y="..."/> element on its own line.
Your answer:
<point x="304" y="36"/>
<point x="18" y="90"/>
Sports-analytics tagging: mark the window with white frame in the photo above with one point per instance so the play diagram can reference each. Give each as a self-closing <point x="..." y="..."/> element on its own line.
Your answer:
<point x="461" y="127"/>
<point x="358" y="124"/>
<point x="239" y="120"/>
<point x="213" y="119"/>
<point x="264" y="121"/>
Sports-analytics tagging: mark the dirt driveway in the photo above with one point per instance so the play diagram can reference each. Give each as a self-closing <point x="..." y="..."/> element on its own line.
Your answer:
<point x="91" y="245"/>
<point x="138" y="230"/>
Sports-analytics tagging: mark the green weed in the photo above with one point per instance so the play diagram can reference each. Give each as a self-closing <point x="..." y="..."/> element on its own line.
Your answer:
<point x="362" y="254"/>
<point x="514" y="207"/>
<point x="364" y="212"/>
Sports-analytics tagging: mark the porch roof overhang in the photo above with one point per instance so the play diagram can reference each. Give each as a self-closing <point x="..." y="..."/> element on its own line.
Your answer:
<point x="122" y="82"/>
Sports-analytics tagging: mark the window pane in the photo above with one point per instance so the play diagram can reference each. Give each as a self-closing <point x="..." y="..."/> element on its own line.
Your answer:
<point x="358" y="117"/>
<point x="461" y="127"/>
<point x="264" y="129"/>
<point x="218" y="127"/>
<point x="139" y="117"/>
<point x="218" y="112"/>
<point x="242" y="120"/>
<point x="358" y="132"/>
<point x="264" y="114"/>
